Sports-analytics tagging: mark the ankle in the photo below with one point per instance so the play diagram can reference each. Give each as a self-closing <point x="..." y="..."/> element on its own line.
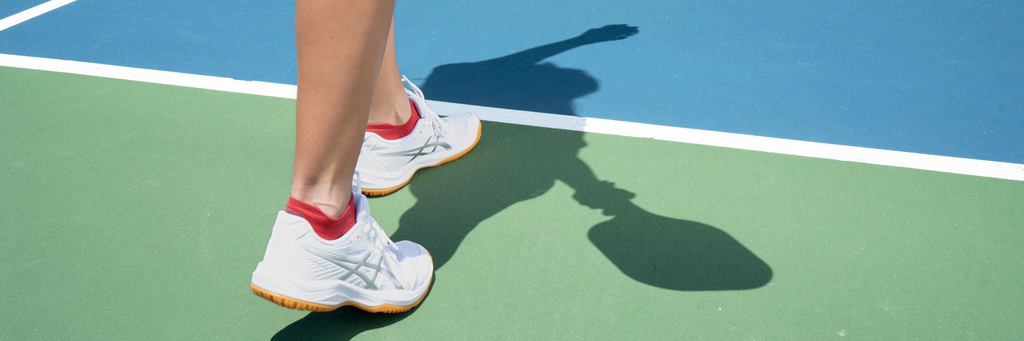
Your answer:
<point x="331" y="205"/>
<point x="394" y="113"/>
<point x="327" y="227"/>
<point x="397" y="131"/>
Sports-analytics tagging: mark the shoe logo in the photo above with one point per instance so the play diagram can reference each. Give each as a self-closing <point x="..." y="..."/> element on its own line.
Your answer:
<point x="422" y="150"/>
<point x="297" y="214"/>
<point x="353" y="266"/>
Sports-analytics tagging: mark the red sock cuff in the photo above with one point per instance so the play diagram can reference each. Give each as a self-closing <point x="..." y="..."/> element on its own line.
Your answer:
<point x="324" y="226"/>
<point x="393" y="132"/>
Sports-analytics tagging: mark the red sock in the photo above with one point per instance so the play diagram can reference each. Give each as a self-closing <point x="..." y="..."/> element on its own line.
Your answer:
<point x="393" y="132"/>
<point x="324" y="226"/>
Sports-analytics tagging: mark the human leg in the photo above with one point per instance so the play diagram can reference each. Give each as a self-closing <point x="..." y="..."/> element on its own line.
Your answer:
<point x="340" y="45"/>
<point x="309" y="264"/>
<point x="390" y="103"/>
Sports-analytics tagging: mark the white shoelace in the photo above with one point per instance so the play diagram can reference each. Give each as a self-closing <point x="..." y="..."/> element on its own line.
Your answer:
<point x="430" y="115"/>
<point x="377" y="238"/>
<point x="384" y="246"/>
<point x="357" y="182"/>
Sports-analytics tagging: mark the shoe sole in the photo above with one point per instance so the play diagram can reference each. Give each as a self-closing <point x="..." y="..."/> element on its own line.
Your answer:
<point x="292" y="303"/>
<point x="297" y="304"/>
<point x="385" y="191"/>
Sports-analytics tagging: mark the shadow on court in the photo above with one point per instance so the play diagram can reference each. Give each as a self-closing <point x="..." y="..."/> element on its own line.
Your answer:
<point x="515" y="163"/>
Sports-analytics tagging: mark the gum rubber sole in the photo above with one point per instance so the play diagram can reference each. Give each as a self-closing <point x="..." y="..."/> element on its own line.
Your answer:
<point x="385" y="191"/>
<point x="297" y="304"/>
<point x="292" y="303"/>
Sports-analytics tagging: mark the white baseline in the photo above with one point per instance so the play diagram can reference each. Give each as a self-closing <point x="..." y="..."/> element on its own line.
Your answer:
<point x="946" y="164"/>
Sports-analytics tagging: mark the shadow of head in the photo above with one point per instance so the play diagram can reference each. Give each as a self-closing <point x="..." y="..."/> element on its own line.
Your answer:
<point x="521" y="81"/>
<point x="543" y="87"/>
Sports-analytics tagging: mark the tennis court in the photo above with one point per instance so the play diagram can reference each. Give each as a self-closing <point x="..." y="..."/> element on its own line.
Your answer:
<point x="734" y="171"/>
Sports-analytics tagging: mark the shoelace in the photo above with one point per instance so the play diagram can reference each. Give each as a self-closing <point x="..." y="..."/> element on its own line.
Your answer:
<point x="357" y="182"/>
<point x="430" y="115"/>
<point x="377" y="238"/>
<point x="380" y="241"/>
<point x="377" y="242"/>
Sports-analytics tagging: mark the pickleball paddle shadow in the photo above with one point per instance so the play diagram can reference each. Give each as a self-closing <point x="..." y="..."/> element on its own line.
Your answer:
<point x="669" y="253"/>
<point x="678" y="254"/>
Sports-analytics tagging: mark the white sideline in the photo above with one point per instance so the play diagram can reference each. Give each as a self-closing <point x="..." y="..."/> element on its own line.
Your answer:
<point x="33" y="12"/>
<point x="946" y="164"/>
<point x="990" y="169"/>
<point x="149" y="76"/>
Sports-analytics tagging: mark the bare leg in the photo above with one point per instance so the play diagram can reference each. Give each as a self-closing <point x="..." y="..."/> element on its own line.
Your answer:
<point x="390" y="104"/>
<point x="340" y="45"/>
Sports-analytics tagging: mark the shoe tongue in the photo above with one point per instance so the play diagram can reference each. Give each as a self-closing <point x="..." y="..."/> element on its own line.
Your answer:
<point x="362" y="207"/>
<point x="363" y="217"/>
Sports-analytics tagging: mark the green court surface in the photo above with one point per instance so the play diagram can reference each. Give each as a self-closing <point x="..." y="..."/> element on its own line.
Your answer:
<point x="135" y="211"/>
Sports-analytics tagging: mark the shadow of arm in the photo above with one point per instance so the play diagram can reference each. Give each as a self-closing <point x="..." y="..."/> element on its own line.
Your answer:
<point x="596" y="35"/>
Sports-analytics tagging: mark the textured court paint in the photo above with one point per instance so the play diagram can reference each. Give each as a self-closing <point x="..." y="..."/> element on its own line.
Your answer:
<point x="165" y="197"/>
<point x="33" y="12"/>
<point x="12" y="7"/>
<point x="248" y="40"/>
<point x="113" y="196"/>
<point x="912" y="76"/>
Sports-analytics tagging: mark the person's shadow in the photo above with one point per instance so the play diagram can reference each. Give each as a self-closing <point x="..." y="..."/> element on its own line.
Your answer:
<point x="513" y="163"/>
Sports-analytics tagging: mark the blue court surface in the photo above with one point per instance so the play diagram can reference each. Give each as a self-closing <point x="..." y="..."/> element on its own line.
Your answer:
<point x="12" y="7"/>
<point x="915" y="76"/>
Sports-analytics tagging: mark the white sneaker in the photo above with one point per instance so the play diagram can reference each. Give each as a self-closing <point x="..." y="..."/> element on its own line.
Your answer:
<point x="363" y="268"/>
<point x="387" y="165"/>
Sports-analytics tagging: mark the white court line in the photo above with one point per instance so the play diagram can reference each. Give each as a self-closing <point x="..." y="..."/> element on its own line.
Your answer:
<point x="150" y="76"/>
<point x="33" y="12"/>
<point x="946" y="164"/>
